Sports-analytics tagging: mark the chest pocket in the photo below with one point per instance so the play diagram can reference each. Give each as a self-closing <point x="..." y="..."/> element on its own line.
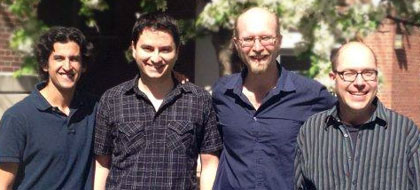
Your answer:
<point x="181" y="136"/>
<point x="131" y="137"/>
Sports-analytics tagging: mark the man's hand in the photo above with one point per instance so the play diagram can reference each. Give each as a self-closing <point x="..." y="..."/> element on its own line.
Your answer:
<point x="181" y="78"/>
<point x="8" y="172"/>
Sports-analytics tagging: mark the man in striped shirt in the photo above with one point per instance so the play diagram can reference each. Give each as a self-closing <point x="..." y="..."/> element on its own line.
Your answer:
<point x="358" y="144"/>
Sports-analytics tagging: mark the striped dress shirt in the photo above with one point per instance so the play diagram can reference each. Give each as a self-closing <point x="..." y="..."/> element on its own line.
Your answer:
<point x="386" y="153"/>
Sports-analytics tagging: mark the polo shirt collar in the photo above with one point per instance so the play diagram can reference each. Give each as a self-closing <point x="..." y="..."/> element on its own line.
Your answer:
<point x="39" y="101"/>
<point x="42" y="104"/>
<point x="379" y="116"/>
<point x="284" y="82"/>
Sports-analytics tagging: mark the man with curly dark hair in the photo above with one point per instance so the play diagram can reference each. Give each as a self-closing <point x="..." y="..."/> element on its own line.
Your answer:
<point x="46" y="139"/>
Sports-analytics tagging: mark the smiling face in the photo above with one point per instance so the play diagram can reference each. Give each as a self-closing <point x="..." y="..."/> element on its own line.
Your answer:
<point x="155" y="53"/>
<point x="359" y="94"/>
<point x="64" y="66"/>
<point x="257" y="23"/>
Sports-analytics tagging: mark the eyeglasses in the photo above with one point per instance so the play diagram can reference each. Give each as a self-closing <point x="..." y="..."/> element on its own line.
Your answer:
<point x="350" y="76"/>
<point x="264" y="40"/>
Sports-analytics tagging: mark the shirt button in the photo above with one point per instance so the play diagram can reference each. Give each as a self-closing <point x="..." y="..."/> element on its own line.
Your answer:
<point x="349" y="158"/>
<point x="346" y="135"/>
<point x="255" y="118"/>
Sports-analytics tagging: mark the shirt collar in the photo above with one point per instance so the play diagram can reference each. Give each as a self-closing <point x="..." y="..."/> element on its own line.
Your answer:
<point x="42" y="104"/>
<point x="284" y="82"/>
<point x="379" y="116"/>
<point x="132" y="86"/>
<point x="38" y="100"/>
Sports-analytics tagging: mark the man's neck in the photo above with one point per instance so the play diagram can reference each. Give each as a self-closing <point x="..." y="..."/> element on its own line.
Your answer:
<point x="257" y="86"/>
<point x="58" y="98"/>
<point x="355" y="117"/>
<point x="156" y="89"/>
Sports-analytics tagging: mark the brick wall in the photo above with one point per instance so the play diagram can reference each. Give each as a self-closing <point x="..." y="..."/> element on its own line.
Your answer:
<point x="9" y="60"/>
<point x="400" y="88"/>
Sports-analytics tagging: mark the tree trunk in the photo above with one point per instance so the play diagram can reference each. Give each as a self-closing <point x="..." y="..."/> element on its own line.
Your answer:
<point x="227" y="57"/>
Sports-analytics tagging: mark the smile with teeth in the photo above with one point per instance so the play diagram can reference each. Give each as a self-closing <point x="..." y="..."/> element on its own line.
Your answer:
<point x="67" y="75"/>
<point x="358" y="93"/>
<point x="259" y="57"/>
<point x="156" y="66"/>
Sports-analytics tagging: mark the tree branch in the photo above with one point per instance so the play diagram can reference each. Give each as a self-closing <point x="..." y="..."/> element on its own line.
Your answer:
<point x="403" y="21"/>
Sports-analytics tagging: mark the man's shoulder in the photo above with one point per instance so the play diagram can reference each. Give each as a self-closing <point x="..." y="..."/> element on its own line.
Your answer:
<point x="24" y="105"/>
<point x="88" y="97"/>
<point x="221" y="84"/>
<point x="317" y="120"/>
<point x="396" y="119"/>
<point x="117" y="90"/>
<point x="303" y="83"/>
<point x="22" y="109"/>
<point x="195" y="89"/>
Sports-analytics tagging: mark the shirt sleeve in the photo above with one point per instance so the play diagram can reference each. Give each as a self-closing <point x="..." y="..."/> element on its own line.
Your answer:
<point x="103" y="130"/>
<point x="211" y="141"/>
<point x="12" y="138"/>
<point x="414" y="161"/>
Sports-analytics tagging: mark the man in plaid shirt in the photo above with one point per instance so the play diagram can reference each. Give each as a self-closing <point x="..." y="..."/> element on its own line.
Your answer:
<point x="151" y="129"/>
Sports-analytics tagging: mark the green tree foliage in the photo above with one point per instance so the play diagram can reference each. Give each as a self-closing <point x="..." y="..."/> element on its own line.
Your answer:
<point x="322" y="23"/>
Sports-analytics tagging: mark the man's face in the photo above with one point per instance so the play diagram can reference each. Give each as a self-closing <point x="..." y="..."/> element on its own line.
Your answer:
<point x="359" y="94"/>
<point x="257" y="41"/>
<point x="64" y="65"/>
<point x="155" y="53"/>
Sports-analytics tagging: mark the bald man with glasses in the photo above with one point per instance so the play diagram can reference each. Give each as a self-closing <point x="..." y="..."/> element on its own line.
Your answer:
<point x="359" y="143"/>
<point x="261" y="109"/>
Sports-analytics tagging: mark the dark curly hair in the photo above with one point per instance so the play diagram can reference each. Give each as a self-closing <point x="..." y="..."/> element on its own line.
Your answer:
<point x="60" y="34"/>
<point x="157" y="21"/>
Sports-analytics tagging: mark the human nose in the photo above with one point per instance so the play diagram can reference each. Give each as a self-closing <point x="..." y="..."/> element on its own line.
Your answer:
<point x="258" y="47"/>
<point x="359" y="79"/>
<point x="155" y="58"/>
<point x="67" y="65"/>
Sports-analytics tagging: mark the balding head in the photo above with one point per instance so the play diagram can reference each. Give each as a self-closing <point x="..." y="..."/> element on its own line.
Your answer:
<point x="350" y="51"/>
<point x="259" y="17"/>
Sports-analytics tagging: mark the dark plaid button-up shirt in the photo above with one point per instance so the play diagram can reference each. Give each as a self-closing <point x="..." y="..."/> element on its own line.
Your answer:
<point x="386" y="153"/>
<point x="155" y="149"/>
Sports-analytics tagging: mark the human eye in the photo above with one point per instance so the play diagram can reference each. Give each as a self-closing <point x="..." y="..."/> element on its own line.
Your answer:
<point x="75" y="58"/>
<point x="349" y="73"/>
<point x="58" y="58"/>
<point x="147" y="48"/>
<point x="266" y="38"/>
<point x="248" y="39"/>
<point x="369" y="73"/>
<point x="166" y="50"/>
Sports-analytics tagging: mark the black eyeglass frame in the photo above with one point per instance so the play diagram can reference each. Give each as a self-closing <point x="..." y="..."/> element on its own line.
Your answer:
<point x="341" y="74"/>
